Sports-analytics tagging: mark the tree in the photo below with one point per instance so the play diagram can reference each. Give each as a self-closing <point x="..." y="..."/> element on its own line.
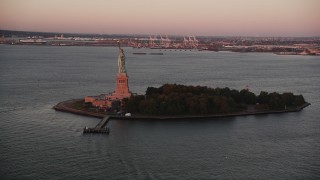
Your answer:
<point x="288" y="98"/>
<point x="247" y="97"/>
<point x="275" y="101"/>
<point x="263" y="98"/>
<point x="152" y="90"/>
<point x="173" y="99"/>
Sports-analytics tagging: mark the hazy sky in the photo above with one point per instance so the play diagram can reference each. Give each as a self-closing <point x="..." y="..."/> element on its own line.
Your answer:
<point x="180" y="17"/>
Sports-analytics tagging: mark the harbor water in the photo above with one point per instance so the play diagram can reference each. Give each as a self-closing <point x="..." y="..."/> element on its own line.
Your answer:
<point x="37" y="142"/>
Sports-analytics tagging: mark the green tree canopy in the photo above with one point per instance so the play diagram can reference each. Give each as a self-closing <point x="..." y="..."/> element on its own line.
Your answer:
<point x="174" y="99"/>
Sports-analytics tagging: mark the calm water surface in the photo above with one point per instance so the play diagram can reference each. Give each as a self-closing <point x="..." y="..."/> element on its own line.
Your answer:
<point x="38" y="142"/>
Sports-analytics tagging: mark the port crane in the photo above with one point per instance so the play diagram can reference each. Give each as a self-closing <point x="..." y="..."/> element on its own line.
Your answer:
<point x="190" y="42"/>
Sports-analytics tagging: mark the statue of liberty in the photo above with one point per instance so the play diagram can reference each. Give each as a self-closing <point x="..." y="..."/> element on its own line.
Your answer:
<point x="121" y="60"/>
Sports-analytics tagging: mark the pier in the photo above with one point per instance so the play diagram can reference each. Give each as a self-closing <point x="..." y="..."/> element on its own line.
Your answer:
<point x="66" y="106"/>
<point x="100" y="127"/>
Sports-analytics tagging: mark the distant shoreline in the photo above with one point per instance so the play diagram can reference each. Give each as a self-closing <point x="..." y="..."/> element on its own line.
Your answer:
<point x="66" y="106"/>
<point x="239" y="50"/>
<point x="307" y="46"/>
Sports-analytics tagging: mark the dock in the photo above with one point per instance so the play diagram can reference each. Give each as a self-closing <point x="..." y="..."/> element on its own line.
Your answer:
<point x="100" y="127"/>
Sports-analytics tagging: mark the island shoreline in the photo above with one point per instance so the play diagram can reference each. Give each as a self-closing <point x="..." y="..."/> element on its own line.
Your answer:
<point x="65" y="106"/>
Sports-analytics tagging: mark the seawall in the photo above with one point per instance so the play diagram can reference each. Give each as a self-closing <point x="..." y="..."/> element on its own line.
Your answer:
<point x="66" y="106"/>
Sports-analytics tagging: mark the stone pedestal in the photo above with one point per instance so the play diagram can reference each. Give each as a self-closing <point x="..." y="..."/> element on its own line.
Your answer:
<point x="122" y="87"/>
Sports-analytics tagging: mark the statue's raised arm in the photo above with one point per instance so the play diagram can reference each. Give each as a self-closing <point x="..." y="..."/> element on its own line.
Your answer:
<point x="121" y="60"/>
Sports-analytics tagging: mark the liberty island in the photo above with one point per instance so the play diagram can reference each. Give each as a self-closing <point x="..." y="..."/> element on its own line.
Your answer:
<point x="172" y="101"/>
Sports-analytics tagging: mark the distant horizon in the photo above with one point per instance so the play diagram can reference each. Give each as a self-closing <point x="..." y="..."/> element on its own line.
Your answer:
<point x="128" y="34"/>
<point x="245" y="18"/>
